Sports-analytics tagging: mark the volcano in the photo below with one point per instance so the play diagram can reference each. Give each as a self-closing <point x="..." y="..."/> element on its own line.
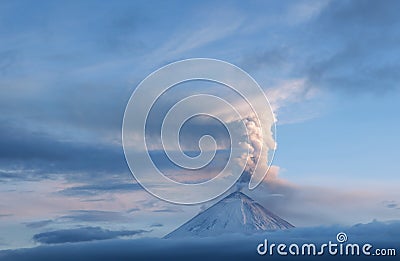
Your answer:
<point x="236" y="213"/>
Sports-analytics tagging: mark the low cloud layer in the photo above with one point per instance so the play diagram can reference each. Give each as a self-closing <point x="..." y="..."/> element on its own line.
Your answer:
<point x="380" y="234"/>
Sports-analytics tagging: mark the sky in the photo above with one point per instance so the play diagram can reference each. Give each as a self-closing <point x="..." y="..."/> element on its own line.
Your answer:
<point x="68" y="69"/>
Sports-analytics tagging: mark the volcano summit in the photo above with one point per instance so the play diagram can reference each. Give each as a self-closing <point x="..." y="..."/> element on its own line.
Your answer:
<point x="236" y="213"/>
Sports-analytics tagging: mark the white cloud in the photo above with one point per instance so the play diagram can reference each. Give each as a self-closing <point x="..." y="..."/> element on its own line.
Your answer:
<point x="303" y="11"/>
<point x="190" y="36"/>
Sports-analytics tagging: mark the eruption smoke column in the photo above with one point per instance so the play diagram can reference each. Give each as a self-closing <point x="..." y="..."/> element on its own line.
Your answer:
<point x="251" y="130"/>
<point x="256" y="161"/>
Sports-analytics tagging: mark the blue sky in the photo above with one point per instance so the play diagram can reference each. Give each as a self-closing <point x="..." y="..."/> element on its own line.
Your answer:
<point x="67" y="70"/>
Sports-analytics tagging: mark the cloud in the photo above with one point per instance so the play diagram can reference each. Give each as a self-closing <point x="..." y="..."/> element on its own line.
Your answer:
<point x="350" y="47"/>
<point x="157" y="206"/>
<point x="288" y="92"/>
<point x="272" y="179"/>
<point x="133" y="210"/>
<point x="26" y="154"/>
<point x="292" y="100"/>
<point x="101" y="188"/>
<point x="214" y="26"/>
<point x="362" y="38"/>
<point x="273" y="58"/>
<point x="391" y="204"/>
<point x="304" y="11"/>
<point x="38" y="224"/>
<point x="156" y="225"/>
<point x="95" y="216"/>
<point x="82" y="234"/>
<point x="69" y="122"/>
<point x="167" y="210"/>
<point x="385" y="234"/>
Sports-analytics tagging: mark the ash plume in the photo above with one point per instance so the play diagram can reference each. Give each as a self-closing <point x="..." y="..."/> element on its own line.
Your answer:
<point x="257" y="159"/>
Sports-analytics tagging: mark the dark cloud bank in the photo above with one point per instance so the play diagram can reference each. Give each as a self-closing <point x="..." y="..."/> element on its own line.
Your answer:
<point x="379" y="234"/>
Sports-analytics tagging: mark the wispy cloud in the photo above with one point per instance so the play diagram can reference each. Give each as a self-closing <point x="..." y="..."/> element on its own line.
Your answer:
<point x="82" y="234"/>
<point x="95" y="216"/>
<point x="103" y="187"/>
<point x="351" y="65"/>
<point x="39" y="224"/>
<point x="198" y="35"/>
<point x="391" y="204"/>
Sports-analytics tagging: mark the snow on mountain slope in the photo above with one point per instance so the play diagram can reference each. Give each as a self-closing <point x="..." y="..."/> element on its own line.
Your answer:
<point x="236" y="213"/>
